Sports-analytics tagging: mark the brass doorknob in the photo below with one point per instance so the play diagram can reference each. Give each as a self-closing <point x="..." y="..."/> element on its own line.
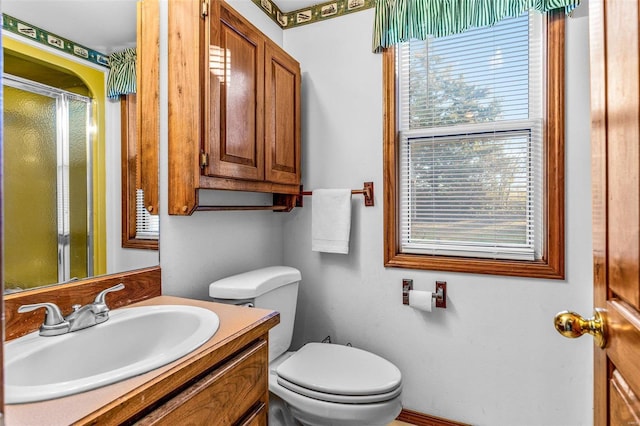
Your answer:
<point x="572" y="325"/>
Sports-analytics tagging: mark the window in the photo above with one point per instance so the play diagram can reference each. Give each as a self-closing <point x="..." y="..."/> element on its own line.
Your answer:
<point x="140" y="229"/>
<point x="474" y="146"/>
<point x="147" y="225"/>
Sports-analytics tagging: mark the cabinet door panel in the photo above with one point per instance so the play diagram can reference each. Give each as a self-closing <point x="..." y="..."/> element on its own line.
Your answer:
<point x="223" y="397"/>
<point x="236" y="102"/>
<point x="282" y="121"/>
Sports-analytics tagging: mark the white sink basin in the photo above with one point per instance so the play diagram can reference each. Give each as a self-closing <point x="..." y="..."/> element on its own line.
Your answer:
<point x="133" y="341"/>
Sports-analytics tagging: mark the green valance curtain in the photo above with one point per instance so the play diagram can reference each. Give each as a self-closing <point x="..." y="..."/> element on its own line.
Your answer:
<point x="397" y="21"/>
<point x="122" y="73"/>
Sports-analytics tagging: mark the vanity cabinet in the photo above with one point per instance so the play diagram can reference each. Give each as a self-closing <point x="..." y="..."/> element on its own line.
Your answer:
<point x="224" y="382"/>
<point x="235" y="393"/>
<point x="234" y="106"/>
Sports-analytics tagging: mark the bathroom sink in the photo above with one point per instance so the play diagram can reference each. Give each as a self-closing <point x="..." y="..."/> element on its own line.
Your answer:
<point x="133" y="341"/>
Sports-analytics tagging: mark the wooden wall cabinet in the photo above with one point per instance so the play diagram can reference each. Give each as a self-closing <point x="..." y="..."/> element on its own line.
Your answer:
<point x="234" y="107"/>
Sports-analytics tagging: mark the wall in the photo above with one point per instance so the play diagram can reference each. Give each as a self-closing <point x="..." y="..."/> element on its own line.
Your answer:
<point x="196" y="250"/>
<point x="491" y="358"/>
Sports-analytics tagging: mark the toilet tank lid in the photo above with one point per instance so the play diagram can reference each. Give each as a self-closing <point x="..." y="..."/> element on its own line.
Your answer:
<point x="254" y="283"/>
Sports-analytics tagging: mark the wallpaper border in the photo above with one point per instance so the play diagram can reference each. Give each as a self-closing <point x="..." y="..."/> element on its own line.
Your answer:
<point x="36" y="34"/>
<point x="313" y="14"/>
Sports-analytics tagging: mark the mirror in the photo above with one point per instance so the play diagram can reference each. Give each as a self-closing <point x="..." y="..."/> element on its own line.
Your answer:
<point x="69" y="190"/>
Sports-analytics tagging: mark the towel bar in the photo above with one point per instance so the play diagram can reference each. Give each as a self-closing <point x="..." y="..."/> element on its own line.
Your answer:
<point x="283" y="202"/>
<point x="367" y="191"/>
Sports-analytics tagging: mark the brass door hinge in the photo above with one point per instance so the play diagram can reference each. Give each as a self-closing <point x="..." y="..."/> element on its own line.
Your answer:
<point x="204" y="159"/>
<point x="204" y="12"/>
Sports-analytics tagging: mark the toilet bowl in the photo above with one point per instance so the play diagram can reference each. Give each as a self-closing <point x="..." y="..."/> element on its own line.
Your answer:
<point x="321" y="383"/>
<point x="327" y="384"/>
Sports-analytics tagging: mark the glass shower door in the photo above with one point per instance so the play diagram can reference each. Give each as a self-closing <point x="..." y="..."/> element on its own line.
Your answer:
<point x="47" y="185"/>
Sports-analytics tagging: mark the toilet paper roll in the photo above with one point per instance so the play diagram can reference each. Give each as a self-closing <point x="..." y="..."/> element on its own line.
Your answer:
<point x="421" y="300"/>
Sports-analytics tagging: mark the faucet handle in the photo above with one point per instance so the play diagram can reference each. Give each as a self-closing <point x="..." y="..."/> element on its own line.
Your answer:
<point x="54" y="322"/>
<point x="101" y="297"/>
<point x="53" y="315"/>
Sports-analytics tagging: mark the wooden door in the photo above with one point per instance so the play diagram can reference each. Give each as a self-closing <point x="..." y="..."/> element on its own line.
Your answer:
<point x="615" y="144"/>
<point x="282" y="120"/>
<point x="235" y="104"/>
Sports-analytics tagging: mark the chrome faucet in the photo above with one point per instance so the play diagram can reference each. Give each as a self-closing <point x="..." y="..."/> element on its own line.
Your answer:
<point x="81" y="317"/>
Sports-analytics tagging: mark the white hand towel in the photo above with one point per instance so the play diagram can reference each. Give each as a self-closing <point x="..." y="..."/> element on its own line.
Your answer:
<point x="330" y="220"/>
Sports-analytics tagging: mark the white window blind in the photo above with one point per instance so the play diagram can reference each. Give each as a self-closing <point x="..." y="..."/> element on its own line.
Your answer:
<point x="470" y="121"/>
<point x="147" y="225"/>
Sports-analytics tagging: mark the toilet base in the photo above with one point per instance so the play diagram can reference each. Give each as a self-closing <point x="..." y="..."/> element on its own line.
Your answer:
<point x="279" y="412"/>
<point x="282" y="414"/>
<point x="381" y="415"/>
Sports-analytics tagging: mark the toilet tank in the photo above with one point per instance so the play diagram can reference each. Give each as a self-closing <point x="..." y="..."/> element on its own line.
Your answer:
<point x="275" y="288"/>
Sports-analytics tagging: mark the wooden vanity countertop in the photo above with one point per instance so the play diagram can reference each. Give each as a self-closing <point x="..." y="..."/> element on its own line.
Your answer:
<point x="117" y="402"/>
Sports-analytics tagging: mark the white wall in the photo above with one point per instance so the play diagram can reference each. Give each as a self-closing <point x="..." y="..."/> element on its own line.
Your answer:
<point x="492" y="357"/>
<point x="196" y="250"/>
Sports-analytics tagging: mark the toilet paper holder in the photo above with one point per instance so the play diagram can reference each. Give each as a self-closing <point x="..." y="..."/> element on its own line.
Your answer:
<point x="440" y="294"/>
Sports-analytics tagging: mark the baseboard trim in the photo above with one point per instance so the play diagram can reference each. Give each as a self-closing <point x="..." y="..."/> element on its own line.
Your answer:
<point x="421" y="419"/>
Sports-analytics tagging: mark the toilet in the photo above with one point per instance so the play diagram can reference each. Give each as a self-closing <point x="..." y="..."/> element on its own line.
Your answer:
<point x="321" y="383"/>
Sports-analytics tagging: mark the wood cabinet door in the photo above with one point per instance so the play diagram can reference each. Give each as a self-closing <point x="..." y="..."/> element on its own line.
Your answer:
<point x="282" y="119"/>
<point x="234" y="102"/>
<point x="235" y="391"/>
<point x="615" y="134"/>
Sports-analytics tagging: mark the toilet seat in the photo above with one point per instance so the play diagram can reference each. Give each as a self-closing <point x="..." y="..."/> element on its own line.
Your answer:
<point x="341" y="374"/>
<point x="343" y="399"/>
